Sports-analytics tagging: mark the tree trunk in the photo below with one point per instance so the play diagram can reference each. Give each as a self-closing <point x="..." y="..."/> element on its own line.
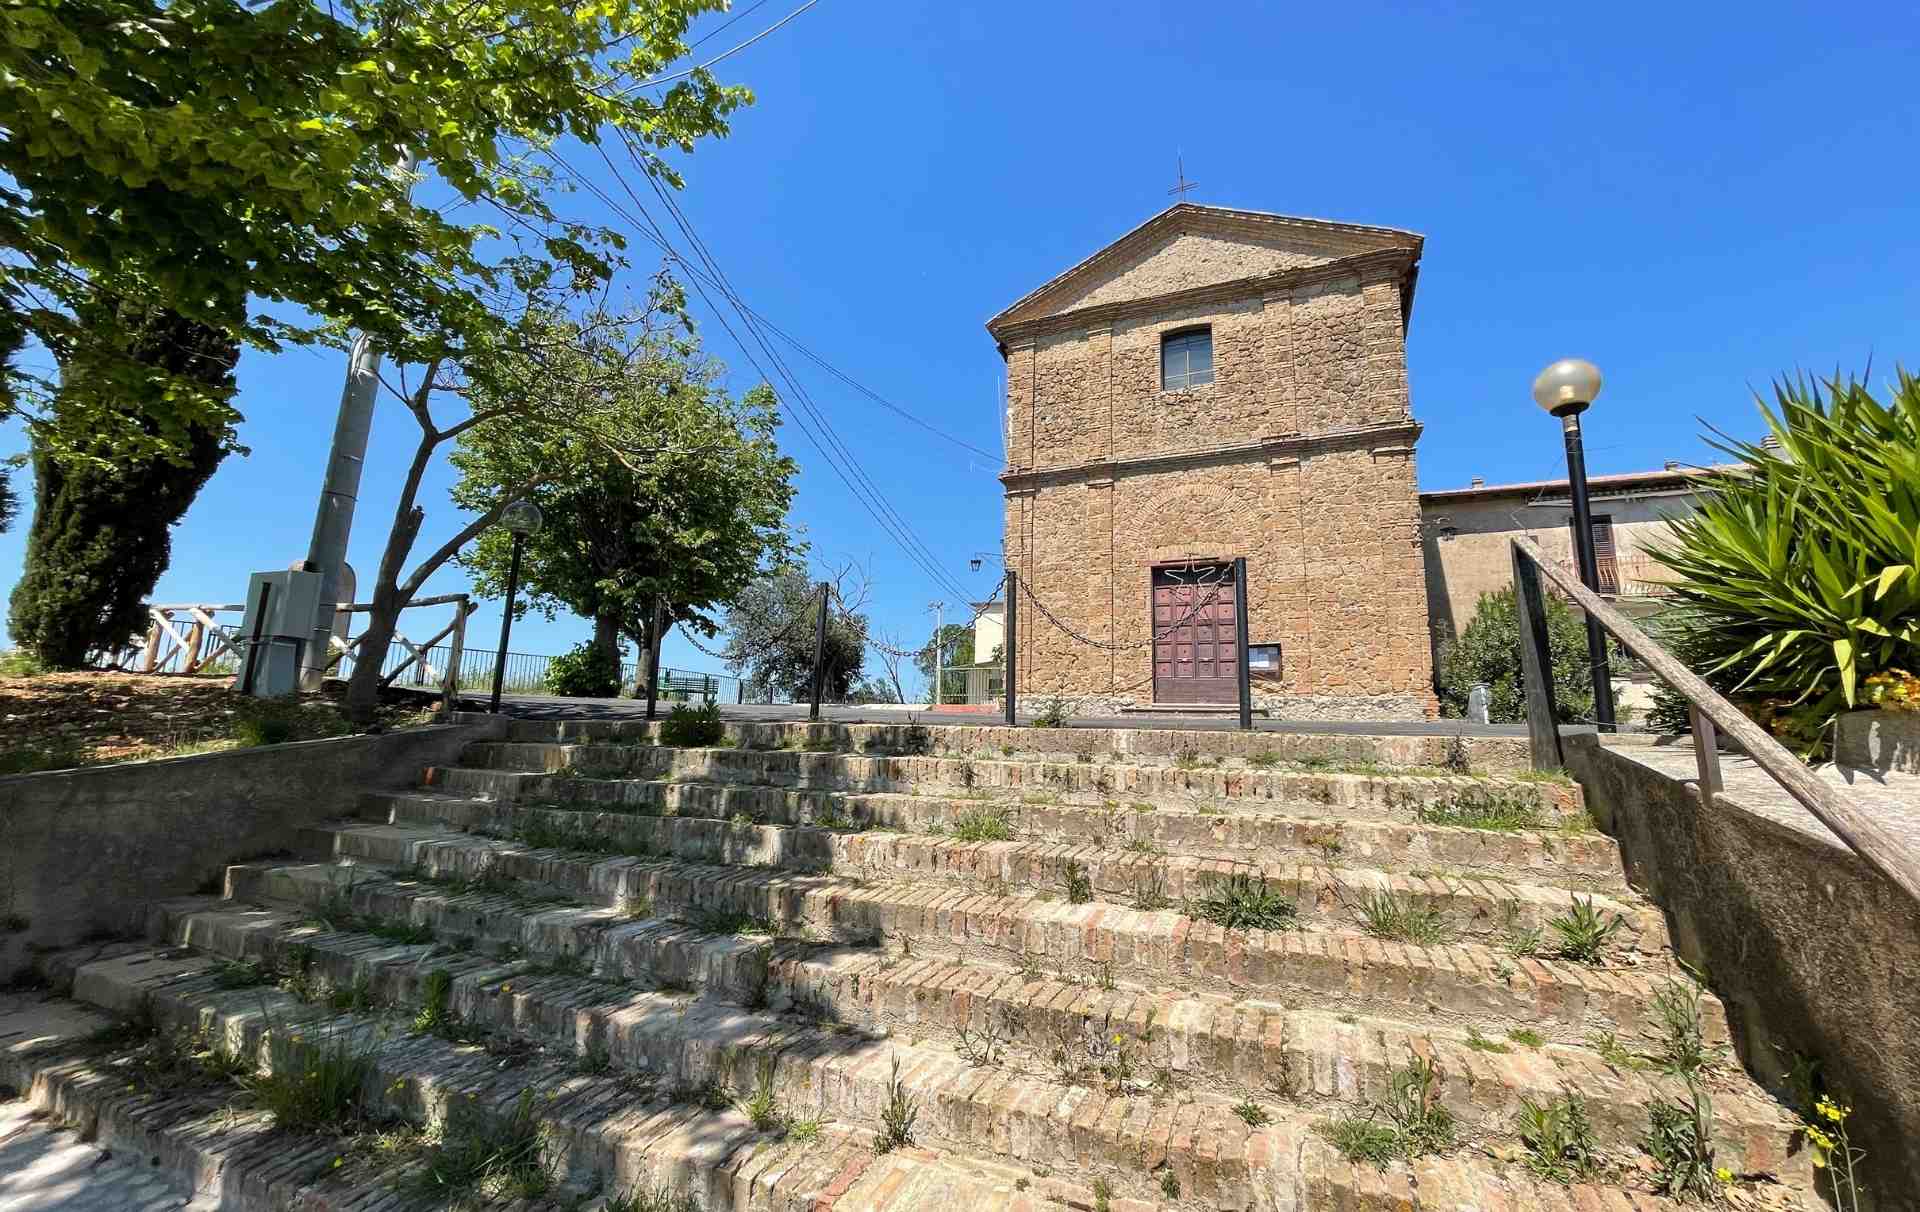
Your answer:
<point x="642" y="661"/>
<point x="363" y="688"/>
<point x="606" y="637"/>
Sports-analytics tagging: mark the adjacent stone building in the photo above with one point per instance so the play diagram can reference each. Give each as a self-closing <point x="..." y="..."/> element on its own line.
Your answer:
<point x="1467" y="533"/>
<point x="1219" y="384"/>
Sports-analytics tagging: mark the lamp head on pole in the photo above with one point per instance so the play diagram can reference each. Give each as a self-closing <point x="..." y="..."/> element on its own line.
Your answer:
<point x="521" y="518"/>
<point x="1567" y="387"/>
<point x="973" y="565"/>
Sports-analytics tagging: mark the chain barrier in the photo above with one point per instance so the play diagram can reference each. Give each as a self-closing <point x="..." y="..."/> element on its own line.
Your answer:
<point x="1153" y="636"/>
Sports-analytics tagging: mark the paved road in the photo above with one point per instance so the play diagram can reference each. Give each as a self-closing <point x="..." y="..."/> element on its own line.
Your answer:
<point x="48" y="1169"/>
<point x="531" y="706"/>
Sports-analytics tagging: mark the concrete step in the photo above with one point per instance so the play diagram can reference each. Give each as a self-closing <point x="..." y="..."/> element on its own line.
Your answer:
<point x="1581" y="859"/>
<point x="1122" y="1134"/>
<point x="1337" y="969"/>
<point x="1468" y="904"/>
<point x="1306" y="1059"/>
<point x="1139" y="746"/>
<point x="1375" y="793"/>
<point x="601" y="1136"/>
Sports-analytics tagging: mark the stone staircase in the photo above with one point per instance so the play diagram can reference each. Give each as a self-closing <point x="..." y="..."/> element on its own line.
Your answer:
<point x="1094" y="969"/>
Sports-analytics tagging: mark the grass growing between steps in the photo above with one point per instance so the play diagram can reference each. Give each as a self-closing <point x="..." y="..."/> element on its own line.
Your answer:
<point x="1410" y="1122"/>
<point x="316" y="1078"/>
<point x="486" y="1156"/>
<point x="1402" y="920"/>
<point x="1243" y="902"/>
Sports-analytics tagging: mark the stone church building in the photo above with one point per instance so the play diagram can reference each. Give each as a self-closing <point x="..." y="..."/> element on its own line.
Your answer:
<point x="1218" y="384"/>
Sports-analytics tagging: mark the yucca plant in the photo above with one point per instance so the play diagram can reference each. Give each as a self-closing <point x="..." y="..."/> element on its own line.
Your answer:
<point x="1798" y="575"/>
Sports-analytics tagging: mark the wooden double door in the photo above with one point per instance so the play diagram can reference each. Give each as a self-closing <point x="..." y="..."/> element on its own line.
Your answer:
<point x="1195" y="657"/>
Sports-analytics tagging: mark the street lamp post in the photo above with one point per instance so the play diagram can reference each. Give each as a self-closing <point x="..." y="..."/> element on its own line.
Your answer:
<point x="1566" y="389"/>
<point x="521" y="519"/>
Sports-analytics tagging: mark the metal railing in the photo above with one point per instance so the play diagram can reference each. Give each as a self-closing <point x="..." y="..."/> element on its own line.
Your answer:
<point x="1710" y="713"/>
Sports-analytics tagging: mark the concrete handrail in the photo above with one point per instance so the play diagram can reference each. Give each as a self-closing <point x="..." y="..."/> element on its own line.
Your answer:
<point x="1709" y="709"/>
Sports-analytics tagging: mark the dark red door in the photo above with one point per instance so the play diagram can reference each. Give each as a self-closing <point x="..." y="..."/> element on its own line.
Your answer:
<point x="1194" y="659"/>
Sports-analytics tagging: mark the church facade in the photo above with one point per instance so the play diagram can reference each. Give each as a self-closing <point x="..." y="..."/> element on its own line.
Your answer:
<point x="1219" y="384"/>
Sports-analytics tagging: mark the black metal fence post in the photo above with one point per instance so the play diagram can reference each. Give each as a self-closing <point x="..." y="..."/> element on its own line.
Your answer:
<point x="819" y="654"/>
<point x="1007" y="644"/>
<point x="653" y="655"/>
<point x="506" y="620"/>
<point x="1241" y="669"/>
<point x="1536" y="665"/>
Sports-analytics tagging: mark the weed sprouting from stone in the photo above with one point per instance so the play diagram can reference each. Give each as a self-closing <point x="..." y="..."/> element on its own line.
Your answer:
<point x="495" y="1157"/>
<point x="896" y="1115"/>
<point x="1244" y="902"/>
<point x="1585" y="931"/>
<point x="315" y="1080"/>
<point x="1679" y="1139"/>
<point x="983" y="825"/>
<point x="1558" y="1137"/>
<point x="1497" y="808"/>
<point x="1252" y="1113"/>
<point x="1079" y="883"/>
<point x="1402" y="920"/>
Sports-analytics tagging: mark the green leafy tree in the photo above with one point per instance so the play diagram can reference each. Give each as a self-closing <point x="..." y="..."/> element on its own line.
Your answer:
<point x="9" y="500"/>
<point x="950" y="647"/>
<point x="100" y="536"/>
<point x="557" y="376"/>
<point x="771" y="628"/>
<point x="190" y="154"/>
<point x="1489" y="651"/>
<point x="688" y="524"/>
<point x="1797" y="575"/>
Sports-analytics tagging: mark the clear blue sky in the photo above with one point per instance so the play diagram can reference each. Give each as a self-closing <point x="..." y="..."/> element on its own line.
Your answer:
<point x="1695" y="197"/>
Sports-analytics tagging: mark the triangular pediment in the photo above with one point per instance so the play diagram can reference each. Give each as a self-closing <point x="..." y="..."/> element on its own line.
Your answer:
<point x="1188" y="246"/>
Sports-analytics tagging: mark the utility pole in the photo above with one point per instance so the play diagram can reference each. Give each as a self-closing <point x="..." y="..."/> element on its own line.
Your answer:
<point x="340" y="492"/>
<point x="939" y="653"/>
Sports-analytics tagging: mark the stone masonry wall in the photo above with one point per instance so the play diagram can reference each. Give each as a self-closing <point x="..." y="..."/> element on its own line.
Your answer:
<point x="81" y="851"/>
<point x="1316" y="490"/>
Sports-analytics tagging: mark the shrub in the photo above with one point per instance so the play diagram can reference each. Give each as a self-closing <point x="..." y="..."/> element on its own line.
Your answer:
<point x="584" y="672"/>
<point x="1798" y="574"/>
<point x="1489" y="651"/>
<point x="692" y="727"/>
<point x="19" y="663"/>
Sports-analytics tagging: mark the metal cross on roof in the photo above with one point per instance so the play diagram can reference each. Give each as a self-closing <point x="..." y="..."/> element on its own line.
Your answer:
<point x="1183" y="185"/>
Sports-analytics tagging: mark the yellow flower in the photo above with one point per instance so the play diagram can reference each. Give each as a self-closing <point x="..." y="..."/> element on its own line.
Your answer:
<point x="1725" y="1176"/>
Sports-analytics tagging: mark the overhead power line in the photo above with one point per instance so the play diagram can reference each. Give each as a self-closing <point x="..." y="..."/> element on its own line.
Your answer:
<point x="806" y="413"/>
<point x="798" y="346"/>
<point x="725" y="54"/>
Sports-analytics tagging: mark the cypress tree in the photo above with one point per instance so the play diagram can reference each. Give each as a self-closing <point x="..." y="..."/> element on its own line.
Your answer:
<point x="100" y="537"/>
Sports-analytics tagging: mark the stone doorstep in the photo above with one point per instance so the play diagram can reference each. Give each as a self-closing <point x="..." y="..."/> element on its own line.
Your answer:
<point x="1477" y="907"/>
<point x="1015" y="1120"/>
<point x="1308" y="1059"/>
<point x="717" y="1155"/>
<point x="1585" y="861"/>
<point x="1461" y="982"/>
<point x="1089" y="783"/>
<point x="1142" y="745"/>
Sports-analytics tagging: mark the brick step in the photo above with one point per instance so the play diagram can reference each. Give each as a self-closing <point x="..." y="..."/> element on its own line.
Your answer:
<point x="604" y="1135"/>
<point x="1470" y="905"/>
<point x="1586" y="859"/>
<point x="1463" y="983"/>
<point x="1305" y="1059"/>
<point x="1140" y="746"/>
<point x="1382" y="794"/>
